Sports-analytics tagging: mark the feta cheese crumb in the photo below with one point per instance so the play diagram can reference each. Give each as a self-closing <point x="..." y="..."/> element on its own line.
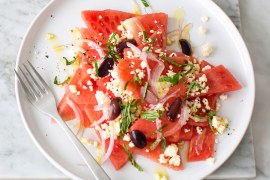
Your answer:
<point x="84" y="87"/>
<point x="220" y="124"/>
<point x="126" y="137"/>
<point x="143" y="65"/>
<point x="218" y="105"/>
<point x="72" y="89"/>
<point x="175" y="160"/>
<point x="186" y="130"/>
<point x="171" y="150"/>
<point x="147" y="150"/>
<point x="131" y="144"/>
<point x="205" y="19"/>
<point x="152" y="31"/>
<point x="162" y="159"/>
<point x="199" y="130"/>
<point x="207" y="50"/>
<point x="206" y="68"/>
<point x="223" y="97"/>
<point x="202" y="30"/>
<point x="78" y="93"/>
<point x="130" y="55"/>
<point x="160" y="177"/>
<point x="210" y="161"/>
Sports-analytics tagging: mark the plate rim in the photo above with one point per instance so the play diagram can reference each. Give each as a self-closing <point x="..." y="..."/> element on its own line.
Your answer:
<point x="221" y="13"/>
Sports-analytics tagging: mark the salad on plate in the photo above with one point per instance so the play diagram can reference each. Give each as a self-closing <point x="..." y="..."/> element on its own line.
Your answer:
<point x="139" y="98"/>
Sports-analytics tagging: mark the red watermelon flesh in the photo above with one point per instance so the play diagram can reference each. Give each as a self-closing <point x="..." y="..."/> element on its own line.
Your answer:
<point x="103" y="23"/>
<point x="154" y="154"/>
<point x="154" y="24"/>
<point x="201" y="146"/>
<point x="118" y="157"/>
<point x="219" y="80"/>
<point x="64" y="110"/>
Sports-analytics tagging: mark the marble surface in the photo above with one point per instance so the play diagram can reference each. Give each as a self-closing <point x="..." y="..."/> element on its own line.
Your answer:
<point x="19" y="157"/>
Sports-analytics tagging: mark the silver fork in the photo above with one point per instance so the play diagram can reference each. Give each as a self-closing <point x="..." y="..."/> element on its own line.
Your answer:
<point x="40" y="95"/>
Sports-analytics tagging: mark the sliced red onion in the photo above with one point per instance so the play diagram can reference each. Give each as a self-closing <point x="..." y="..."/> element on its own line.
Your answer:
<point x="100" y="107"/>
<point x="150" y="97"/>
<point x="198" y="119"/>
<point x="199" y="142"/>
<point x="143" y="57"/>
<point x="95" y="46"/>
<point x="158" y="125"/>
<point x="181" y="121"/>
<point x="101" y="120"/>
<point x="102" y="137"/>
<point x="110" y="148"/>
<point x="78" y="114"/>
<point x="170" y="96"/>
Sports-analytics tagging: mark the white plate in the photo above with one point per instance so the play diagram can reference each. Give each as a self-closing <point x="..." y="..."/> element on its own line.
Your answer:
<point x="229" y="50"/>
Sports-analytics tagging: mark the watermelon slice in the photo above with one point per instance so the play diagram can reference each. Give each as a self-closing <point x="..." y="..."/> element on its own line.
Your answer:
<point x="103" y="23"/>
<point x="64" y="110"/>
<point x="201" y="146"/>
<point x="155" y="25"/>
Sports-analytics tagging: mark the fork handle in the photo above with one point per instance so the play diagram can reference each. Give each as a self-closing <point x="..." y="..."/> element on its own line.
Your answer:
<point x="92" y="164"/>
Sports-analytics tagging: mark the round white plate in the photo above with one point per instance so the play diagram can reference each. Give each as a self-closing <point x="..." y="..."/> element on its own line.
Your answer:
<point x="229" y="50"/>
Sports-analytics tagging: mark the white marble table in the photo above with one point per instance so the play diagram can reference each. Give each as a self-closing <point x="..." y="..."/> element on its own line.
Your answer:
<point x="19" y="158"/>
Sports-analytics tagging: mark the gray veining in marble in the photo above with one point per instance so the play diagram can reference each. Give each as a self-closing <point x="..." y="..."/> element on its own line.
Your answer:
<point x="19" y="157"/>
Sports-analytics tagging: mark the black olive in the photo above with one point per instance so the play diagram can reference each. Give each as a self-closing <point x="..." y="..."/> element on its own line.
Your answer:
<point x="115" y="109"/>
<point x="174" y="109"/>
<point x="138" y="139"/>
<point x="120" y="47"/>
<point x="186" y="47"/>
<point x="105" y="66"/>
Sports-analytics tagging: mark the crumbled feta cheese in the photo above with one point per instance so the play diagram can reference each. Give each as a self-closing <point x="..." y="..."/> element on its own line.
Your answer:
<point x="95" y="144"/>
<point x="170" y="73"/>
<point x="99" y="17"/>
<point x="202" y="30"/>
<point x="207" y="50"/>
<point x="223" y="97"/>
<point x="203" y="78"/>
<point x="147" y="150"/>
<point x="171" y="150"/>
<point x="194" y="105"/>
<point x="186" y="130"/>
<point x="100" y="34"/>
<point x="199" y="130"/>
<point x="220" y="124"/>
<point x="152" y="31"/>
<point x="101" y="100"/>
<point x="113" y="126"/>
<point x="126" y="137"/>
<point x="140" y="73"/>
<point x="162" y="88"/>
<point x="210" y="160"/>
<point x="92" y="73"/>
<point x="131" y="144"/>
<point x="130" y="55"/>
<point x="84" y="87"/>
<point x="72" y="89"/>
<point x="206" y="104"/>
<point x="78" y="93"/>
<point x="140" y="34"/>
<point x="89" y="83"/>
<point x="204" y="19"/>
<point x="206" y="68"/>
<point x="162" y="159"/>
<point x="143" y="65"/>
<point x="170" y="67"/>
<point x="175" y="160"/>
<point x="159" y="32"/>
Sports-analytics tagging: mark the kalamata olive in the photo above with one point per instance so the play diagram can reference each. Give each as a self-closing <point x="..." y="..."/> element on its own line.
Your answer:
<point x="138" y="138"/>
<point x="120" y="47"/>
<point x="115" y="109"/>
<point x="105" y="66"/>
<point x="174" y="109"/>
<point x="186" y="47"/>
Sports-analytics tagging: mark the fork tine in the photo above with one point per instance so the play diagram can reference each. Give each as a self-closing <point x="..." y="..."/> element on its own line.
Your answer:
<point x="36" y="93"/>
<point x="44" y="84"/>
<point x="42" y="90"/>
<point x="25" y="88"/>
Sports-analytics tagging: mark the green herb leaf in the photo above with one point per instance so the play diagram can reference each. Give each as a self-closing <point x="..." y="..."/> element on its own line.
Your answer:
<point x="151" y="115"/>
<point x="96" y="68"/>
<point x="174" y="80"/>
<point x="192" y="86"/>
<point x="111" y="38"/>
<point x="131" y="159"/>
<point x="170" y="61"/>
<point x="125" y="87"/>
<point x="155" y="144"/>
<point x="145" y="3"/>
<point x="128" y="115"/>
<point x="159" y="130"/>
<point x="56" y="82"/>
<point x="145" y="89"/>
<point x="163" y="143"/>
<point x="145" y="36"/>
<point x="137" y="79"/>
<point x="68" y="62"/>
